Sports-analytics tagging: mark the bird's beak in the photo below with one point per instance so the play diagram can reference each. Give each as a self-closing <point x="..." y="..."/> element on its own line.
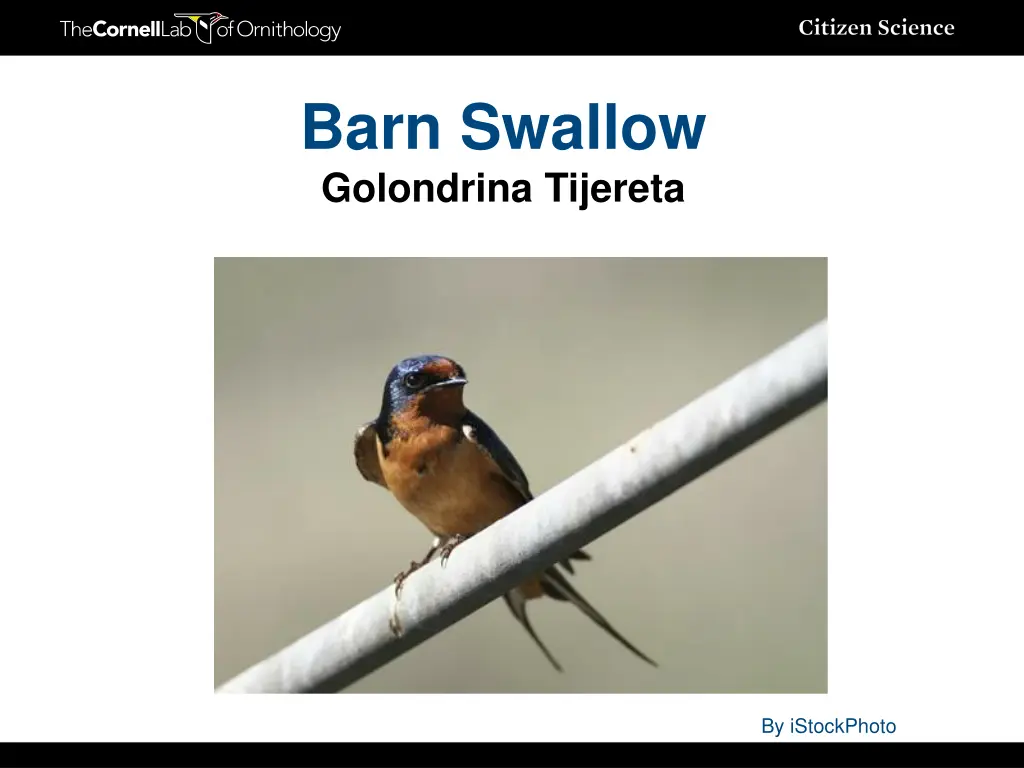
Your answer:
<point x="453" y="382"/>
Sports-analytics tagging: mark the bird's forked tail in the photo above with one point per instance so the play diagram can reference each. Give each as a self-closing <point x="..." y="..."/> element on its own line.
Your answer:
<point x="557" y="586"/>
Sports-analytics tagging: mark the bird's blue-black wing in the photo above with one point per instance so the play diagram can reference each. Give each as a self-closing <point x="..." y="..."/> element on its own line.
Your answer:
<point x="365" y="450"/>
<point x="488" y="439"/>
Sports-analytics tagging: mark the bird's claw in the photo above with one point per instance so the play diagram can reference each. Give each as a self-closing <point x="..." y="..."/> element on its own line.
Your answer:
<point x="401" y="577"/>
<point x="394" y="624"/>
<point x="451" y="544"/>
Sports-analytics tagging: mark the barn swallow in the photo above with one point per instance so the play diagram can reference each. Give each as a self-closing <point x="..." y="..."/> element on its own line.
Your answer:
<point x="447" y="467"/>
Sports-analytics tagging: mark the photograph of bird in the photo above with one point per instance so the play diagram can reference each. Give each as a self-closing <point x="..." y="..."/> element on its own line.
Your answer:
<point x="448" y="468"/>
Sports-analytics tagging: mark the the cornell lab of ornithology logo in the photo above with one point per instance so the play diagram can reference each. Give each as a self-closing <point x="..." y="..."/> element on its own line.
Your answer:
<point x="203" y="27"/>
<point x="204" y="24"/>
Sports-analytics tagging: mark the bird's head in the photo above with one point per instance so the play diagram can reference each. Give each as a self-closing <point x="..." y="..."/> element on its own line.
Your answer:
<point x="429" y="384"/>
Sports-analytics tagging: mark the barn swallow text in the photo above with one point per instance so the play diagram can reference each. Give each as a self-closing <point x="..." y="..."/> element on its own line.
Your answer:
<point x="325" y="127"/>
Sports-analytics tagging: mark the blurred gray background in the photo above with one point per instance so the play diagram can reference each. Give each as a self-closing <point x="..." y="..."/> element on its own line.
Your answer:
<point x="723" y="583"/>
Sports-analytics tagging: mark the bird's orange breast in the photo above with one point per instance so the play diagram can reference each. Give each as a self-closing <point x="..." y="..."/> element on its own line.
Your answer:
<point x="531" y="589"/>
<point x="445" y="480"/>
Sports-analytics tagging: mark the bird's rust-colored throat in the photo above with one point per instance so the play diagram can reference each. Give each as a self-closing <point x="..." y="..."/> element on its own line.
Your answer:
<point x="442" y="405"/>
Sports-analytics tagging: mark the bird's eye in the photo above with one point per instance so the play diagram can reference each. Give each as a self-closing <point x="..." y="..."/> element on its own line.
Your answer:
<point x="414" y="380"/>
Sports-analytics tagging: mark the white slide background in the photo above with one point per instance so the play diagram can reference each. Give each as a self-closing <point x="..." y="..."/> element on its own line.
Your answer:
<point x="124" y="178"/>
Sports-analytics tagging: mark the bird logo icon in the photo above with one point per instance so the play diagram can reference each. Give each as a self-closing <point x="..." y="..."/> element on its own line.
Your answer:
<point x="204" y="24"/>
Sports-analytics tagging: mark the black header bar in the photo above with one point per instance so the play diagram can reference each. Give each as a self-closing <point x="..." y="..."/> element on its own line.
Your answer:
<point x="93" y="29"/>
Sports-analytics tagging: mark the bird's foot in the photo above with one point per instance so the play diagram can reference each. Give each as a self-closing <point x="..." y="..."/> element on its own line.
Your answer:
<point x="449" y="545"/>
<point x="394" y="623"/>
<point x="401" y="577"/>
<point x="415" y="566"/>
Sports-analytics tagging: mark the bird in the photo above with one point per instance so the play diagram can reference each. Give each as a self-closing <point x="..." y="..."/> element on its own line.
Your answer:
<point x="451" y="471"/>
